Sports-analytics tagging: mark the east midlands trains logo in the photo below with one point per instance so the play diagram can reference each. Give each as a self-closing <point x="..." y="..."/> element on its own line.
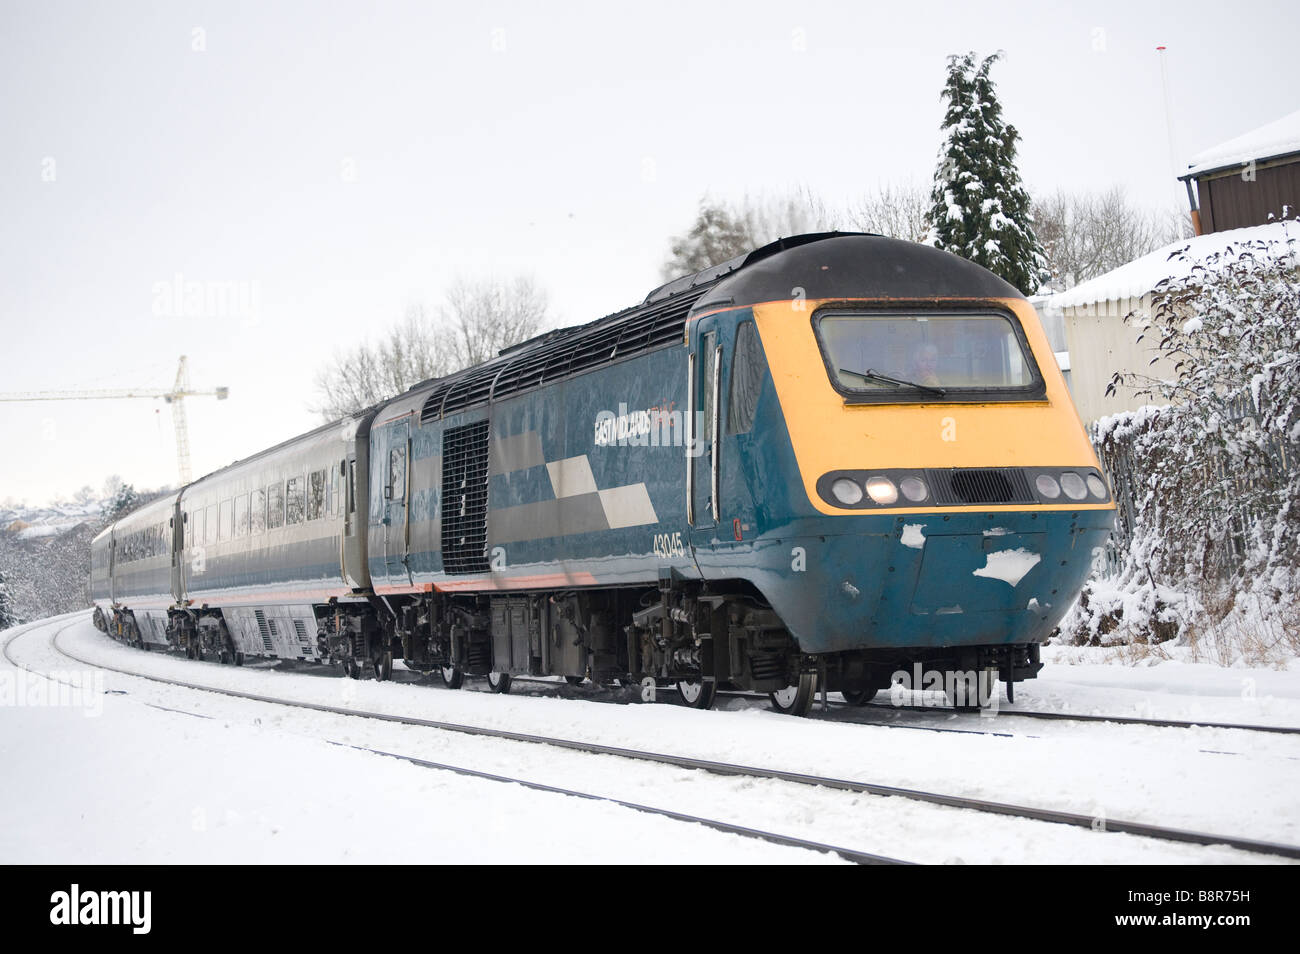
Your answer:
<point x="659" y="426"/>
<point x="77" y="907"/>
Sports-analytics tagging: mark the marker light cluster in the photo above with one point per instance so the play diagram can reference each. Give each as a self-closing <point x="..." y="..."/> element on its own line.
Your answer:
<point x="880" y="489"/>
<point x="1072" y="484"/>
<point x="962" y="487"/>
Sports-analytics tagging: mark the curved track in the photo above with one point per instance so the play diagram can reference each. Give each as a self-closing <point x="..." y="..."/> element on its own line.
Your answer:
<point x="1141" y="829"/>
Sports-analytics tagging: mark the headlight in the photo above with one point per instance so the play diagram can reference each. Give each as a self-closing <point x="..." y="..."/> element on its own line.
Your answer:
<point x="1047" y="486"/>
<point x="882" y="490"/>
<point x="847" y="492"/>
<point x="1097" y="486"/>
<point x="914" y="489"/>
<point x="1073" y="485"/>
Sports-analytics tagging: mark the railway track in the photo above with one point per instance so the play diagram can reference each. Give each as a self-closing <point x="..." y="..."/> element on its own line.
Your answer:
<point x="1031" y="714"/>
<point x="1031" y="813"/>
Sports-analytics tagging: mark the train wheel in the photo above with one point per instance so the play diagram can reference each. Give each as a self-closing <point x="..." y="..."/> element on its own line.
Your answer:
<point x="453" y="677"/>
<point x="351" y="668"/>
<point x="239" y="659"/>
<point x="798" y="699"/>
<point x="384" y="667"/>
<point x="697" y="695"/>
<point x="499" y="681"/>
<point x="858" y="697"/>
<point x="574" y="680"/>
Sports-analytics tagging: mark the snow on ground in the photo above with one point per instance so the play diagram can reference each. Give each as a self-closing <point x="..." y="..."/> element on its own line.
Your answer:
<point x="261" y="779"/>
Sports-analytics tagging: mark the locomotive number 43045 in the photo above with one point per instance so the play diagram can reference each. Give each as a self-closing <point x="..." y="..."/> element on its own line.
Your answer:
<point x="669" y="545"/>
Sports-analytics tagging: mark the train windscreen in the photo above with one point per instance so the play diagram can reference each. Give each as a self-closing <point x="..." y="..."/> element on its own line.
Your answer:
<point x="938" y="353"/>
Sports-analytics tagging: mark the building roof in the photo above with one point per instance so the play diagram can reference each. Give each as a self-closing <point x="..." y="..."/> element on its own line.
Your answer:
<point x="1278" y="138"/>
<point x="1136" y="278"/>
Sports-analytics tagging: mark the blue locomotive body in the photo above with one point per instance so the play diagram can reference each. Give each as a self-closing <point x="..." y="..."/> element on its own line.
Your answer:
<point x="833" y="458"/>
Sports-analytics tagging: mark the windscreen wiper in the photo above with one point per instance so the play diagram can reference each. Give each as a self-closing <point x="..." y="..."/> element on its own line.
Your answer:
<point x="871" y="375"/>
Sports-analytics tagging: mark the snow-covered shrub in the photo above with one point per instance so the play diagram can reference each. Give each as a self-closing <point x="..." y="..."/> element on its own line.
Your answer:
<point x="1209" y="525"/>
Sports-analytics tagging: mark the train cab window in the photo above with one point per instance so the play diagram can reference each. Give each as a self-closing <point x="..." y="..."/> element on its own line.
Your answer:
<point x="241" y="516"/>
<point x="275" y="506"/>
<point x="748" y="371"/>
<point x="293" y="500"/>
<point x="315" y="495"/>
<point x="210" y="524"/>
<point x="397" y="473"/>
<point x="257" y="512"/>
<point x="927" y="355"/>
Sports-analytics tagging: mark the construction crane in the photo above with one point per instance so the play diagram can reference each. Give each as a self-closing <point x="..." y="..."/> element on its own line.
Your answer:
<point x="175" y="396"/>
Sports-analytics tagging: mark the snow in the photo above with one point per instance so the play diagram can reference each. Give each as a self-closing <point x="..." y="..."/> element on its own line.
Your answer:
<point x="232" y="780"/>
<point x="1136" y="278"/>
<point x="1010" y="566"/>
<point x="913" y="536"/>
<point x="1278" y="138"/>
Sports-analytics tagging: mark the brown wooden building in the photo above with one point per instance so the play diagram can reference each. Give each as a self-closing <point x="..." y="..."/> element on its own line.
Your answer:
<point x="1250" y="180"/>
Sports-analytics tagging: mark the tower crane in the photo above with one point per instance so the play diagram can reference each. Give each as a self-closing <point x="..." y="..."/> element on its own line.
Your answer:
<point x="174" y="396"/>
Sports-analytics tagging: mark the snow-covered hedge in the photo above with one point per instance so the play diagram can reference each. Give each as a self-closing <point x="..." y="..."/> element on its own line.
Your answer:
<point x="1208" y="534"/>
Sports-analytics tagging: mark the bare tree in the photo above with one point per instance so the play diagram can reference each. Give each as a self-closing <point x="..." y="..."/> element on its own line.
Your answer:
<point x="718" y="234"/>
<point x="899" y="211"/>
<point x="723" y="231"/>
<point x="769" y="217"/>
<point x="478" y="319"/>
<point x="481" y="318"/>
<point x="1086" y="234"/>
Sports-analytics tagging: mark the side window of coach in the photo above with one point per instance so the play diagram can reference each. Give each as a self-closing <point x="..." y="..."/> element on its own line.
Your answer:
<point x="397" y="473"/>
<point x="293" y="500"/>
<point x="210" y="524"/>
<point x="241" y="516"/>
<point x="257" y="513"/>
<point x="275" y="506"/>
<point x="315" y="494"/>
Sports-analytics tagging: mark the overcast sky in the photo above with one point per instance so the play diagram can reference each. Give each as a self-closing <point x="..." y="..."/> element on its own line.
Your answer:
<point x="341" y="161"/>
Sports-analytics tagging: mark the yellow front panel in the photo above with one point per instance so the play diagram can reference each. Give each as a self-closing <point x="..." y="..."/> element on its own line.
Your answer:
<point x="828" y="434"/>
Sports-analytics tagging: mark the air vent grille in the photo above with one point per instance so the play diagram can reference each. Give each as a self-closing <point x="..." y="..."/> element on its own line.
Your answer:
<point x="991" y="485"/>
<point x="465" y="498"/>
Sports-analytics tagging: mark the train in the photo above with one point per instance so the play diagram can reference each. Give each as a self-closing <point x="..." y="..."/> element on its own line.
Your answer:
<point x="838" y="457"/>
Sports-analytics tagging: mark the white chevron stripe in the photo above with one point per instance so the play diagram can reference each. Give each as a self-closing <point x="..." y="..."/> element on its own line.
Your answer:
<point x="628" y="506"/>
<point x="571" y="476"/>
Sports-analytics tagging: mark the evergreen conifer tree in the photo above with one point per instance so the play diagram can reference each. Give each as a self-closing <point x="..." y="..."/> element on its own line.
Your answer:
<point x="8" y="617"/>
<point x="979" y="208"/>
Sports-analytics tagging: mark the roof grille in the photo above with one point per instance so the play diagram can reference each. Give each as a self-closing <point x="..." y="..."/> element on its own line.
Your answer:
<point x="991" y="485"/>
<point x="563" y="354"/>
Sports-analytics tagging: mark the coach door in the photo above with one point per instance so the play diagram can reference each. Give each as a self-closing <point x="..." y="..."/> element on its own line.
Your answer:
<point x="703" y="480"/>
<point x="397" y="505"/>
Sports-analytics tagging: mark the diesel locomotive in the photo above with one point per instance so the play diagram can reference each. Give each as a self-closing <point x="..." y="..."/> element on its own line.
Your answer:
<point x="833" y="458"/>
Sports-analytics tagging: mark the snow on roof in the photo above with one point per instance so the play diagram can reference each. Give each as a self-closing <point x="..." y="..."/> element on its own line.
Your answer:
<point x="1141" y="275"/>
<point x="1278" y="138"/>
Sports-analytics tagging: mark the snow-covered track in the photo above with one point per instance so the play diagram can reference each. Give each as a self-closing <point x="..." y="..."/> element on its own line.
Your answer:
<point x="1082" y="717"/>
<point x="1031" y="813"/>
<point x="848" y="854"/>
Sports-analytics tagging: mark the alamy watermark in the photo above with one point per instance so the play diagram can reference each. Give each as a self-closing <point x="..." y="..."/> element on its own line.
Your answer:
<point x="960" y="687"/>
<point x="67" y="689"/>
<point x="184" y="298"/>
<point x="659" y="426"/>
